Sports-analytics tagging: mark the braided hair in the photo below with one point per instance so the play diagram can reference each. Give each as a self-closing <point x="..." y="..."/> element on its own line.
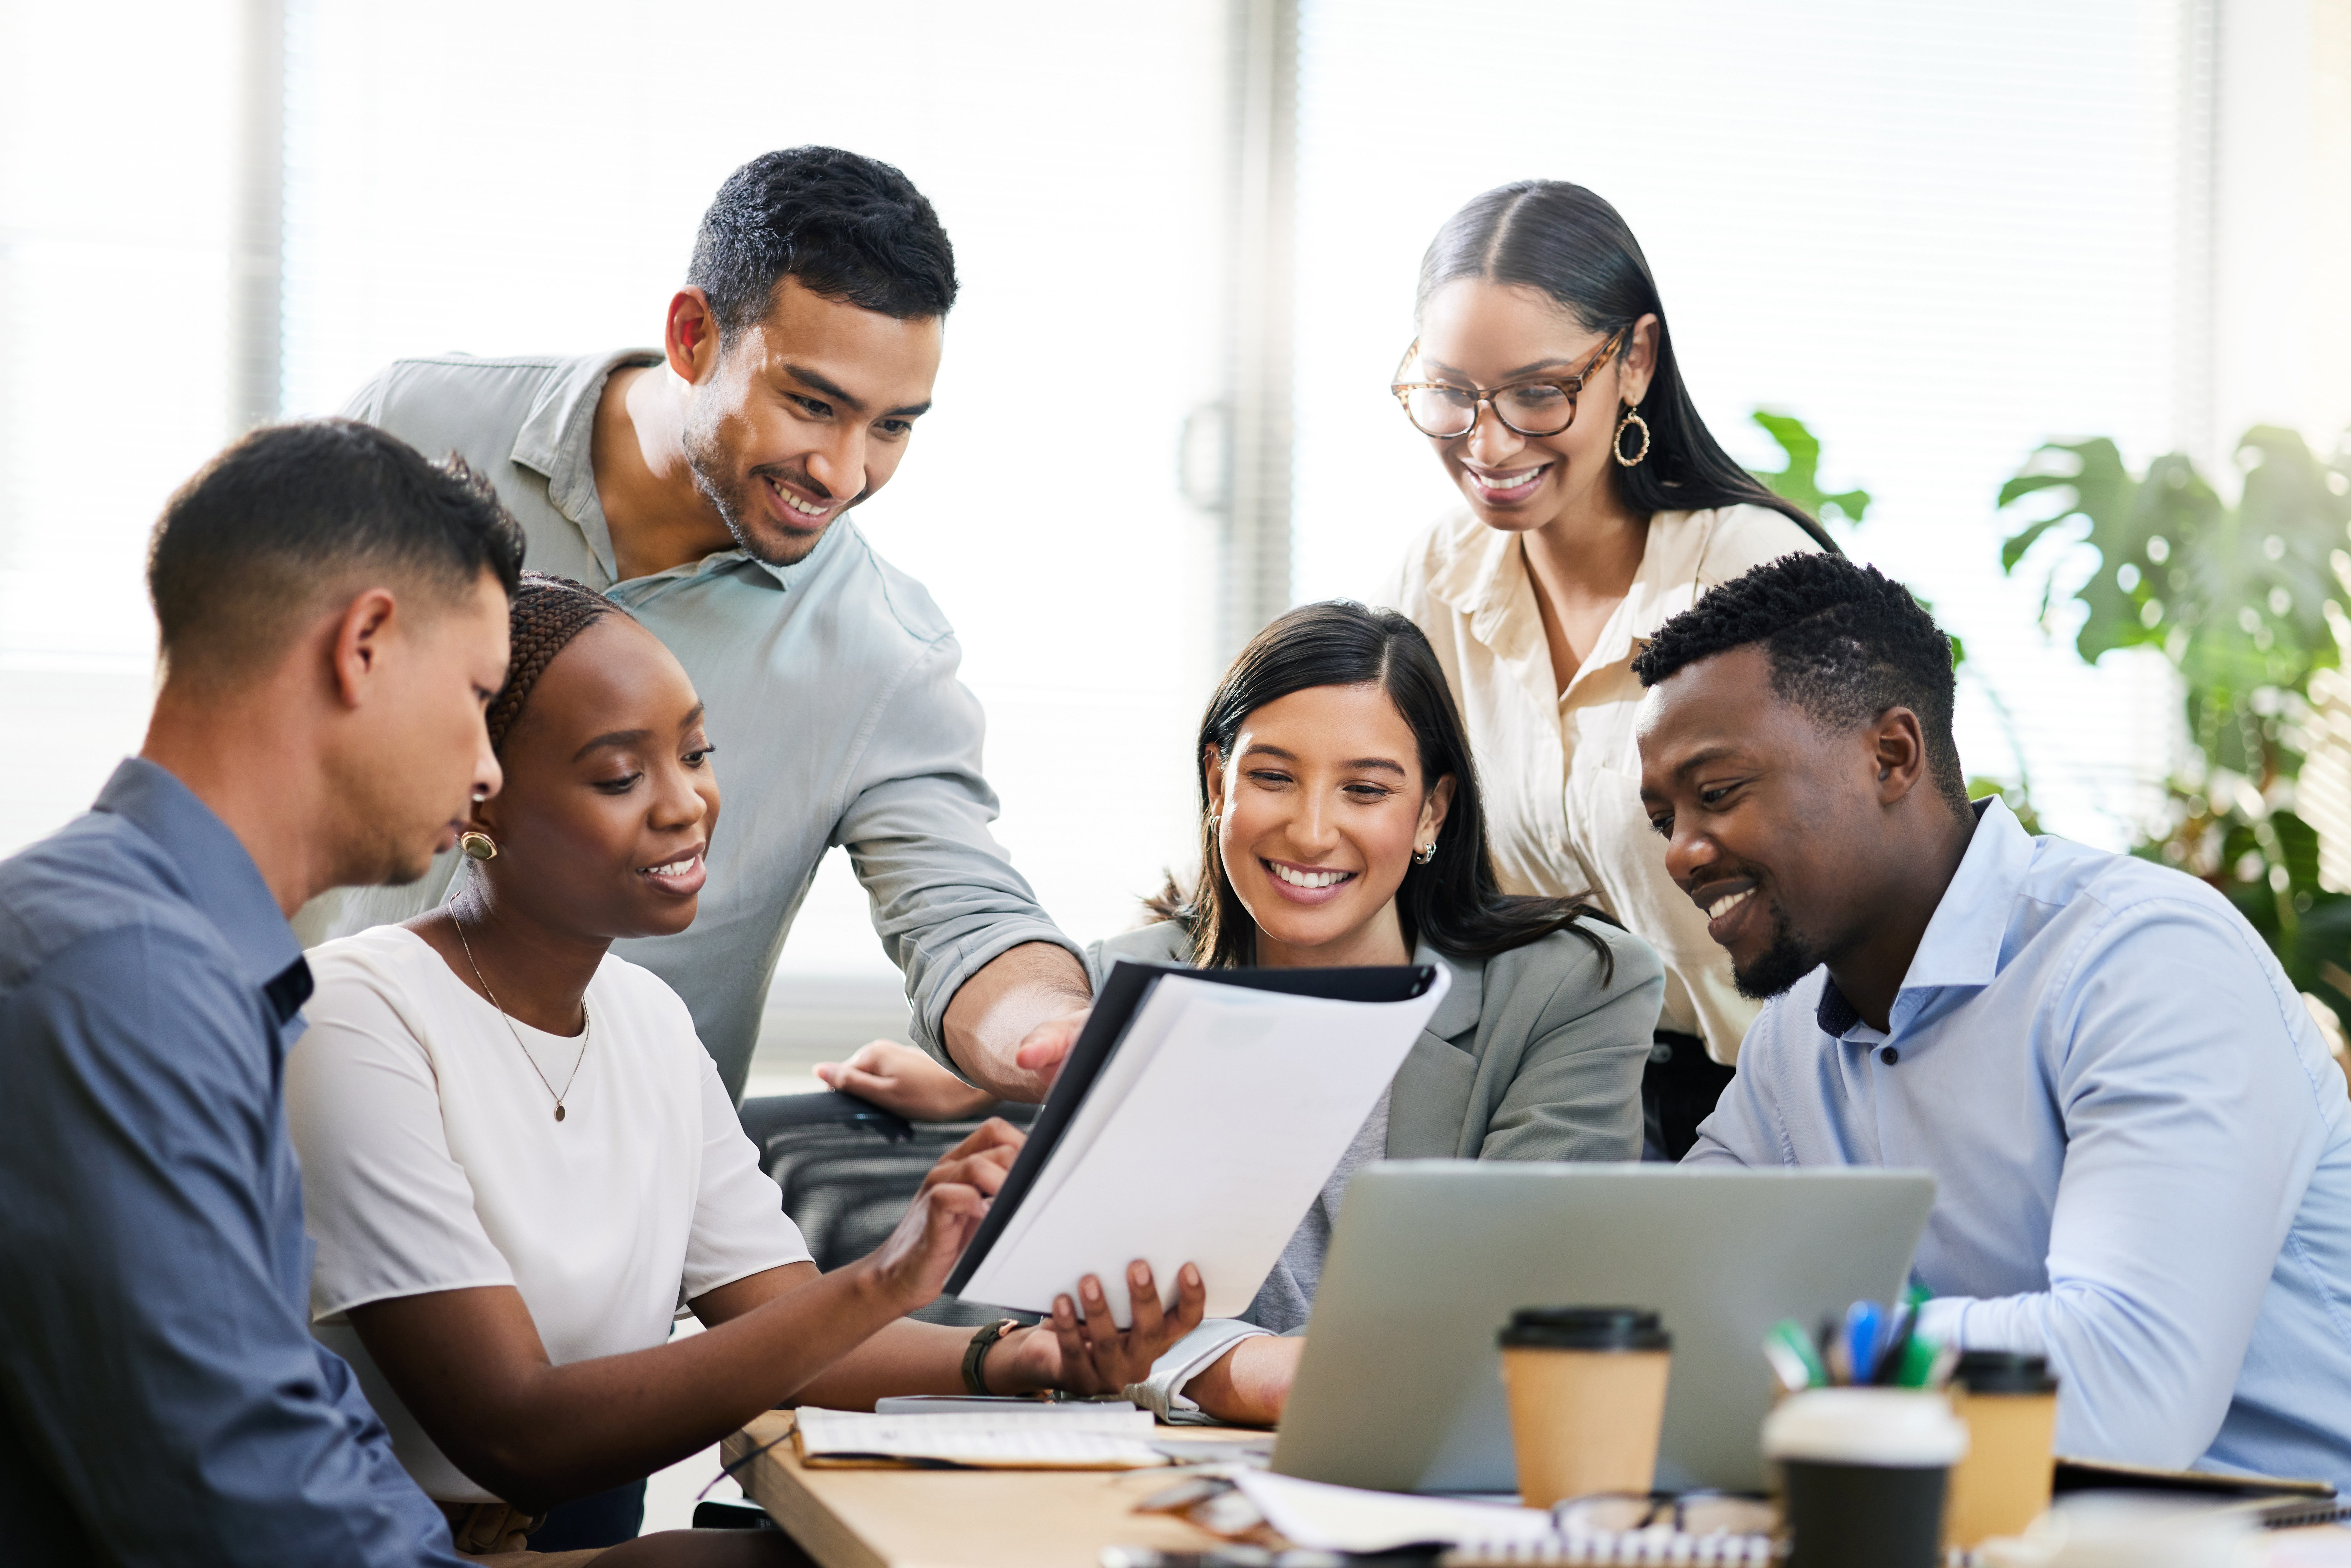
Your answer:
<point x="546" y="612"/>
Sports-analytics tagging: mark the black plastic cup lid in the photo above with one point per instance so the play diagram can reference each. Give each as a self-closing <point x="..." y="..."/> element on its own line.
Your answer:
<point x="1586" y="1328"/>
<point x="2003" y="1372"/>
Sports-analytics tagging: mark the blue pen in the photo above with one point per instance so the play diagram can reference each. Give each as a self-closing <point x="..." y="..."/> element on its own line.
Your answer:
<point x="1864" y="1336"/>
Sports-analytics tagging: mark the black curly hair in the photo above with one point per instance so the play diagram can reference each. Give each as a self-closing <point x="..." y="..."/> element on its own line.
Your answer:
<point x="1846" y="644"/>
<point x="849" y="227"/>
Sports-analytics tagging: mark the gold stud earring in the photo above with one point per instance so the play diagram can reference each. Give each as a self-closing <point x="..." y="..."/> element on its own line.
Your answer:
<point x="477" y="846"/>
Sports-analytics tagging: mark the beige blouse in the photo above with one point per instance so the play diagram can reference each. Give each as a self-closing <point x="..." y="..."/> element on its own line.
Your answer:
<point x="1562" y="774"/>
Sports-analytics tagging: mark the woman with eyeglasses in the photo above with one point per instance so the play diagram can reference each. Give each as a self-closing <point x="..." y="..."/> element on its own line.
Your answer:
<point x="1597" y="506"/>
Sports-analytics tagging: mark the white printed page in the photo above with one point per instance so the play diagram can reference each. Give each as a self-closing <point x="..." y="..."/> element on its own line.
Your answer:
<point x="1111" y="1439"/>
<point x="1160" y="1015"/>
<point x="1215" y="1152"/>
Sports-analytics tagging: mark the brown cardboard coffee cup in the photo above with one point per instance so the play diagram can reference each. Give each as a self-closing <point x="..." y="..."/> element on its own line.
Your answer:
<point x="1587" y="1387"/>
<point x="2010" y="1406"/>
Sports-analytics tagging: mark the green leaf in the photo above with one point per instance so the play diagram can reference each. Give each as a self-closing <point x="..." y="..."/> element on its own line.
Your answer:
<point x="1797" y="479"/>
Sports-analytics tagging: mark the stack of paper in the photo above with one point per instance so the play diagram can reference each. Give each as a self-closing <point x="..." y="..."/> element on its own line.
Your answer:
<point x="1474" y="1534"/>
<point x="1195" y="1121"/>
<point x="1064" y="1439"/>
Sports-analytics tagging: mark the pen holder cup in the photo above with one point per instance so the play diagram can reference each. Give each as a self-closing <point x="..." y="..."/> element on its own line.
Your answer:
<point x="2009" y="1403"/>
<point x="1587" y="1392"/>
<point x="1862" y="1475"/>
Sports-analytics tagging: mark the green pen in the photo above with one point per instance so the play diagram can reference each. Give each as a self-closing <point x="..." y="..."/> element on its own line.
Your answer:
<point x="1918" y="1364"/>
<point x="1789" y="1348"/>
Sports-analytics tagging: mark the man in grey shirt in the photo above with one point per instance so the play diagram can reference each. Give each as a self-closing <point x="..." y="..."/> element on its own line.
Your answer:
<point x="703" y="486"/>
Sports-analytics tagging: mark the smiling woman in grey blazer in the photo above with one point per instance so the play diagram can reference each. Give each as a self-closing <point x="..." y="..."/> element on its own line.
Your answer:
<point x="1340" y="824"/>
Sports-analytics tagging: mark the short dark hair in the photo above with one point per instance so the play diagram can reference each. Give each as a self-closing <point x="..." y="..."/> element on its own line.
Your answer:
<point x="1846" y="644"/>
<point x="1455" y="902"/>
<point x="249" y="547"/>
<point x="849" y="227"/>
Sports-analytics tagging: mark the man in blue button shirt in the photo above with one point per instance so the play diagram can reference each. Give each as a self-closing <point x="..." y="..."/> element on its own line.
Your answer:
<point x="333" y="619"/>
<point x="2142" y="1149"/>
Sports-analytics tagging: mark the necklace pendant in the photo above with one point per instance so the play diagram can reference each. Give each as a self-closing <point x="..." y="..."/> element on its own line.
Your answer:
<point x="558" y="1113"/>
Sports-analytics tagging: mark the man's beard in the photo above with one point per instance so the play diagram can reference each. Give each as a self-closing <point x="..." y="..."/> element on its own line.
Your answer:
<point x="1788" y="959"/>
<point x="738" y="503"/>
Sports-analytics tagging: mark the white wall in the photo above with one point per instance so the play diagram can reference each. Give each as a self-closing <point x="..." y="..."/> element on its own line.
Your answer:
<point x="1939" y="232"/>
<point x="116" y="199"/>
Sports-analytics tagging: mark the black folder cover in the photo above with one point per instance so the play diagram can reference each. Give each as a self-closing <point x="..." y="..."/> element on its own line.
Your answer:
<point x="1121" y="997"/>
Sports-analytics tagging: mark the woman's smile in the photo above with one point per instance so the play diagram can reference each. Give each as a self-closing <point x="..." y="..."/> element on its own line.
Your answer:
<point x="1306" y="884"/>
<point x="682" y="877"/>
<point x="1496" y="488"/>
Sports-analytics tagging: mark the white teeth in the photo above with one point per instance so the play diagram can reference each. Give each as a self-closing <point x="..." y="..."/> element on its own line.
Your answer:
<point x="1310" y="878"/>
<point x="1508" y="481"/>
<point x="674" y="868"/>
<point x="1723" y="907"/>
<point x="796" y="503"/>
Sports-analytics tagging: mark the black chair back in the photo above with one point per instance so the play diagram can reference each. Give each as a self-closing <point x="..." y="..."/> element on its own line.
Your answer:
<point x="847" y="1169"/>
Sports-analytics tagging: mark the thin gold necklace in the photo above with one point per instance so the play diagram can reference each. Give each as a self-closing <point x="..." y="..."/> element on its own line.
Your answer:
<point x="527" y="1056"/>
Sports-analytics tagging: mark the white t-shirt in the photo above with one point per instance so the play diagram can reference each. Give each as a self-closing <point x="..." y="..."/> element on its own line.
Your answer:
<point x="432" y="1161"/>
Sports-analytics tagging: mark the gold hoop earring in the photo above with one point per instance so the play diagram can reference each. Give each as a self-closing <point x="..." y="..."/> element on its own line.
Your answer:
<point x="1616" y="443"/>
<point x="477" y="846"/>
<point x="1422" y="857"/>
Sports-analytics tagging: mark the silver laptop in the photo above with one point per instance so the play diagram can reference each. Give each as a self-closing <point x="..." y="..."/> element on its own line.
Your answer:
<point x="1400" y="1387"/>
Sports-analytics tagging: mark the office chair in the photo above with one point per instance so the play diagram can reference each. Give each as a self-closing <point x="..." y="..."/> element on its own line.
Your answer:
<point x="847" y="1169"/>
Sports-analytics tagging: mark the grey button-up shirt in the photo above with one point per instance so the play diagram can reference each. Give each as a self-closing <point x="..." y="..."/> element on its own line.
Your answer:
<point x="833" y="704"/>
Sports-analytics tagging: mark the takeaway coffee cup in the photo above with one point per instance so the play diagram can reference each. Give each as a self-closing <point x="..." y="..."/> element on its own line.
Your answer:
<point x="1863" y="1473"/>
<point x="2009" y="1403"/>
<point x="1587" y="1387"/>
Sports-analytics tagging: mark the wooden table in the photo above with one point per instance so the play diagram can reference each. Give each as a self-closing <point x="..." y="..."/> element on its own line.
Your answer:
<point x="991" y="1518"/>
<point x="958" y="1518"/>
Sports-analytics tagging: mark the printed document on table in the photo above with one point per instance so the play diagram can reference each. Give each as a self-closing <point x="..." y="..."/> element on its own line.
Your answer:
<point x="1205" y="1139"/>
<point x="1109" y="1439"/>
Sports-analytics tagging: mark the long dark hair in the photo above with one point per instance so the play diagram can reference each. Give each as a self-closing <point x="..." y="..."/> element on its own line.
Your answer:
<point x="1573" y="246"/>
<point x="1455" y="902"/>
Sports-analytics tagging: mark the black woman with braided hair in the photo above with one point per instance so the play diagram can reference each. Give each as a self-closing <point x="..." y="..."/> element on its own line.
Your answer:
<point x="518" y="1159"/>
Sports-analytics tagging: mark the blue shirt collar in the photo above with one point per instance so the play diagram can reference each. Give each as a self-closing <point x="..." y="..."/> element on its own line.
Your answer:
<point x="1962" y="941"/>
<point x="220" y="877"/>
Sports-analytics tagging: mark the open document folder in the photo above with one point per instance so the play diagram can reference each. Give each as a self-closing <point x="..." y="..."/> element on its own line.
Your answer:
<point x="1195" y="1121"/>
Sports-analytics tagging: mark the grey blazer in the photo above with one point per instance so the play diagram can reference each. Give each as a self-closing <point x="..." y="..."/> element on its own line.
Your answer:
<point x="1531" y="1056"/>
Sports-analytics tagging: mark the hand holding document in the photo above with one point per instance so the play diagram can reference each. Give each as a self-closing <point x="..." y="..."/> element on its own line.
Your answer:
<point x="1196" y="1120"/>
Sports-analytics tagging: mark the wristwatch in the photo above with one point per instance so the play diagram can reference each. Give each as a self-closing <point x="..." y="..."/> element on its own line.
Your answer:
<point x="975" y="1356"/>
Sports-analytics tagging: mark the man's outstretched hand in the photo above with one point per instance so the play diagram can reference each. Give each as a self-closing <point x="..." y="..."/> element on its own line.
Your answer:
<point x="1044" y="1047"/>
<point x="1025" y="996"/>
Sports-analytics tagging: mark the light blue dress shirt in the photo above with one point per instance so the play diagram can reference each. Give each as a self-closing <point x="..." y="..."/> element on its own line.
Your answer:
<point x="835" y="706"/>
<point x="2141" y="1147"/>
